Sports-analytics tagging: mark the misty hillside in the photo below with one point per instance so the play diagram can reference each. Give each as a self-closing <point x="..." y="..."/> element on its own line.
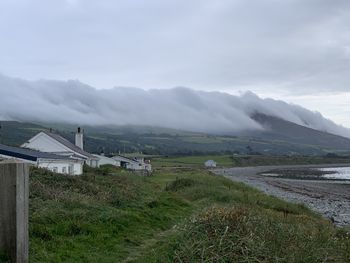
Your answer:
<point x="73" y="102"/>
<point x="169" y="122"/>
<point x="279" y="137"/>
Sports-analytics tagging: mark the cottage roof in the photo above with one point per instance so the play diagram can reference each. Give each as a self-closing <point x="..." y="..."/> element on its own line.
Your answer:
<point x="124" y="159"/>
<point x="28" y="154"/>
<point x="69" y="145"/>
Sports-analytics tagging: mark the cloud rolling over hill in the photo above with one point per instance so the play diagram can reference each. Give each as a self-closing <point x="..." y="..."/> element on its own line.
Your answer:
<point x="180" y="108"/>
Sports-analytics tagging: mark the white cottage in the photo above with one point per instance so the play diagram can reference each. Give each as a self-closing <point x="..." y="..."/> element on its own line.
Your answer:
<point x="52" y="162"/>
<point x="146" y="164"/>
<point x="53" y="143"/>
<point x="103" y="160"/>
<point x="135" y="164"/>
<point x="210" y="163"/>
<point x="126" y="162"/>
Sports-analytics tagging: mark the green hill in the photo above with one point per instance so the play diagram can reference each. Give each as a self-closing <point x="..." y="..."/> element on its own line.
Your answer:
<point x="162" y="141"/>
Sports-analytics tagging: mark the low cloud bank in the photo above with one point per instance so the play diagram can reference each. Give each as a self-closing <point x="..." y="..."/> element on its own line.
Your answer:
<point x="180" y="108"/>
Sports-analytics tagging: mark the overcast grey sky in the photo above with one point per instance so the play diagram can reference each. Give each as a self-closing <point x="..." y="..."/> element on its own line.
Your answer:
<point x="295" y="50"/>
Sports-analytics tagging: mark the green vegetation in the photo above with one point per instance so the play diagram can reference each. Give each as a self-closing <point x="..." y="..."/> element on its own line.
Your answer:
<point x="3" y="258"/>
<point x="162" y="141"/>
<point x="188" y="215"/>
<point x="243" y="160"/>
<point x="252" y="234"/>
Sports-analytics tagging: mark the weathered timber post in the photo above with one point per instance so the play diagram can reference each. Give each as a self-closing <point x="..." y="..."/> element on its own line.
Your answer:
<point x="14" y="200"/>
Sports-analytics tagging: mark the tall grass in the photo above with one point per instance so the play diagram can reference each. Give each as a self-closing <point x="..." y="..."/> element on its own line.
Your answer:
<point x="112" y="215"/>
<point x="246" y="234"/>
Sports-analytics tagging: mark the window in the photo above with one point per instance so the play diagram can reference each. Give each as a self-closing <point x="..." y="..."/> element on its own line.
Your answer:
<point x="55" y="169"/>
<point x="64" y="170"/>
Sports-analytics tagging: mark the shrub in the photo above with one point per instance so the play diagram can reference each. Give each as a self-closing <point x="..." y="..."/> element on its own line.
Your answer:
<point x="179" y="184"/>
<point x="4" y="258"/>
<point x="246" y="234"/>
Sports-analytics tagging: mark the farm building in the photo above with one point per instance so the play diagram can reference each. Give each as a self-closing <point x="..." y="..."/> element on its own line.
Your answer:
<point x="135" y="164"/>
<point x="52" y="162"/>
<point x="210" y="163"/>
<point x="54" y="143"/>
<point x="146" y="164"/>
<point x="103" y="160"/>
<point x="127" y="163"/>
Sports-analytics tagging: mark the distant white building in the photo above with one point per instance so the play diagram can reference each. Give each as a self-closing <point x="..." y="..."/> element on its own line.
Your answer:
<point x="103" y="160"/>
<point x="53" y="162"/>
<point x="135" y="164"/>
<point x="53" y="143"/>
<point x="145" y="164"/>
<point x="210" y="163"/>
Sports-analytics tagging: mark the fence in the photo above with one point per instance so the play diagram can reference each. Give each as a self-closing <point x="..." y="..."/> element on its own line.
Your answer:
<point x="14" y="199"/>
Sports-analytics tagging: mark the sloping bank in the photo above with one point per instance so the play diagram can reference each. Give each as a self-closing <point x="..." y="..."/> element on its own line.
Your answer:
<point x="110" y="215"/>
<point x="331" y="198"/>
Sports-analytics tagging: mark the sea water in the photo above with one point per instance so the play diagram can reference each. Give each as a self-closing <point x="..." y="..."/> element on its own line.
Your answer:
<point x="342" y="173"/>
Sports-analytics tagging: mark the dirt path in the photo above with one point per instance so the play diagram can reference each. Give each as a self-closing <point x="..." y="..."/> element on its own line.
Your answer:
<point x="331" y="198"/>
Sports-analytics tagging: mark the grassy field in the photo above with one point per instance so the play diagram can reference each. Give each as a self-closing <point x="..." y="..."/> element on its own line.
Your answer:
<point x="242" y="160"/>
<point x="111" y="215"/>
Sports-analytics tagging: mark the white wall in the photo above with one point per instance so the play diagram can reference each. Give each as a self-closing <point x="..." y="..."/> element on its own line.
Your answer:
<point x="148" y="167"/>
<point x="135" y="166"/>
<point x="93" y="162"/>
<point x="78" y="168"/>
<point x="51" y="164"/>
<point x="103" y="160"/>
<point x="61" y="166"/>
<point x="140" y="166"/>
<point x="79" y="140"/>
<point x="210" y="164"/>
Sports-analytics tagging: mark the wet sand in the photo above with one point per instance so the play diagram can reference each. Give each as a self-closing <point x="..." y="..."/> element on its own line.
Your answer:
<point x="331" y="198"/>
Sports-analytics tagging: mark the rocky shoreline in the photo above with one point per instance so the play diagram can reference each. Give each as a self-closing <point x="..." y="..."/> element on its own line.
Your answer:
<point x="331" y="198"/>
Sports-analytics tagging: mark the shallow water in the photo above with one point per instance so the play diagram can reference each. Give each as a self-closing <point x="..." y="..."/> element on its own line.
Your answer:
<point x="342" y="173"/>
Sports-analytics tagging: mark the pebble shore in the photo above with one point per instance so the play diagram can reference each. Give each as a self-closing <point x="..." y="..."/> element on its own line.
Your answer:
<point x="331" y="198"/>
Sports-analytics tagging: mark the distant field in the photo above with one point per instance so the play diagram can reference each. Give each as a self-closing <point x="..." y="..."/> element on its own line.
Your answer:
<point x="242" y="160"/>
<point x="192" y="161"/>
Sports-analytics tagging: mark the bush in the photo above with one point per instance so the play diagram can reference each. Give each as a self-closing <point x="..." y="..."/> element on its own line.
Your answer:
<point x="246" y="234"/>
<point x="4" y="258"/>
<point x="179" y="184"/>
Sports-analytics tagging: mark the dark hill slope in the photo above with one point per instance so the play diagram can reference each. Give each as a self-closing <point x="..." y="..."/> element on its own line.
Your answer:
<point x="281" y="137"/>
<point x="279" y="129"/>
<point x="15" y="133"/>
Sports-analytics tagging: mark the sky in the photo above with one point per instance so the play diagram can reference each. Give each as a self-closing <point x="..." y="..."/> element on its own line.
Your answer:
<point x="294" y="50"/>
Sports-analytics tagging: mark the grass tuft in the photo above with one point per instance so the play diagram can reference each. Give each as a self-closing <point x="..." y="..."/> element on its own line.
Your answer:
<point x="179" y="184"/>
<point x="241" y="234"/>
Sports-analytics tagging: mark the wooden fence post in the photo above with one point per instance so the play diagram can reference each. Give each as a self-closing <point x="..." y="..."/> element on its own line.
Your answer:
<point x="14" y="200"/>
